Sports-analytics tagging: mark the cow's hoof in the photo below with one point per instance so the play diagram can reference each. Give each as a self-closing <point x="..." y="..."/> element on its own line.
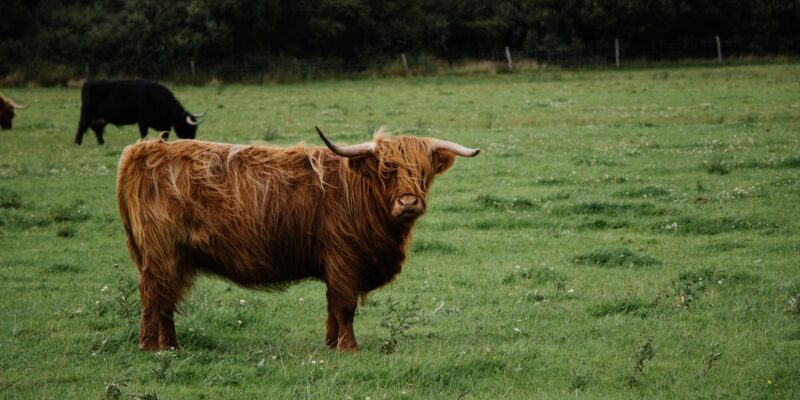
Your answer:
<point x="149" y="346"/>
<point x="347" y="349"/>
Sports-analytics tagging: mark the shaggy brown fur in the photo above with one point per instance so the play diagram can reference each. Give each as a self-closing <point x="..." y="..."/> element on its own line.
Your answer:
<point x="266" y="216"/>
<point x="6" y="112"/>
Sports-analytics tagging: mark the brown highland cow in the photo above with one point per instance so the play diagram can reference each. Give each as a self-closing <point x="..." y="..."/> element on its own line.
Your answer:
<point x="7" y="107"/>
<point x="266" y="216"/>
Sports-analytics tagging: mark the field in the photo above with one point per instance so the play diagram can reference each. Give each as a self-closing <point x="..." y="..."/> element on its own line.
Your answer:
<point x="622" y="234"/>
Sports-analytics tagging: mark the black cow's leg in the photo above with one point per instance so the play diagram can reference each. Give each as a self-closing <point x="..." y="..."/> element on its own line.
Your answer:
<point x="83" y="125"/>
<point x="142" y="130"/>
<point x="98" y="132"/>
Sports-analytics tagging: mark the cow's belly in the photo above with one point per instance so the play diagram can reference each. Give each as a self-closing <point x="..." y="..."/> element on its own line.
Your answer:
<point x="252" y="268"/>
<point x="115" y="120"/>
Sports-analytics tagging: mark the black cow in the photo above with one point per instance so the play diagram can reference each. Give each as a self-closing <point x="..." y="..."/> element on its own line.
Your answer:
<point x="133" y="101"/>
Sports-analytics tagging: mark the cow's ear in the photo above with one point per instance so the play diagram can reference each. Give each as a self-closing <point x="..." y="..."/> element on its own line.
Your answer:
<point x="442" y="160"/>
<point x="365" y="165"/>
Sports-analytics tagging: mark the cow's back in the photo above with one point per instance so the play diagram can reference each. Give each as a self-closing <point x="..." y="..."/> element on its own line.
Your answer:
<point x="237" y="211"/>
<point x="115" y="102"/>
<point x="130" y="101"/>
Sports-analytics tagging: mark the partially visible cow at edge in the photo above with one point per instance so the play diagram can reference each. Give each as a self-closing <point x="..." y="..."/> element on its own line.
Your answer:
<point x="263" y="217"/>
<point x="133" y="101"/>
<point x="7" y="107"/>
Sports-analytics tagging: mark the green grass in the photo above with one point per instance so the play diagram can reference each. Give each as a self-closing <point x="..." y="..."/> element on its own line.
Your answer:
<point x="622" y="234"/>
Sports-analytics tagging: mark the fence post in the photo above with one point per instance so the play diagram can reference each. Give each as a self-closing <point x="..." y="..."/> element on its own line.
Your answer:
<point x="616" y="51"/>
<point x="719" y="50"/>
<point x="191" y="65"/>
<point x="405" y="62"/>
<point x="508" y="58"/>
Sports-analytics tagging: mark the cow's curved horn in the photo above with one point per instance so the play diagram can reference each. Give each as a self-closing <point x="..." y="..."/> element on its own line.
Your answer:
<point x="192" y="123"/>
<point x="347" y="151"/>
<point x="455" y="148"/>
<point x="17" y="106"/>
<point x="201" y="115"/>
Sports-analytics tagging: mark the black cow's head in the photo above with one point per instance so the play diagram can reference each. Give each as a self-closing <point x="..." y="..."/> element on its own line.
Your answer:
<point x="186" y="127"/>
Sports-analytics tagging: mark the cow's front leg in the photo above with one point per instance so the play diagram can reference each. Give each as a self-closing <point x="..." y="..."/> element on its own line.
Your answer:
<point x="143" y="130"/>
<point x="332" y="326"/>
<point x="344" y="315"/>
<point x="341" y="310"/>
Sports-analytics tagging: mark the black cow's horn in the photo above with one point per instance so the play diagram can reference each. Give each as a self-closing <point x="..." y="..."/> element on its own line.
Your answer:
<point x="201" y="115"/>
<point x="454" y="148"/>
<point x="191" y="122"/>
<point x="347" y="151"/>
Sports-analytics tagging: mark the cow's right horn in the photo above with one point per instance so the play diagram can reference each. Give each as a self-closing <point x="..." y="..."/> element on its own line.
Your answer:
<point x="347" y="151"/>
<point x="17" y="106"/>
<point x="201" y="115"/>
<point x="455" y="148"/>
<point x="191" y="122"/>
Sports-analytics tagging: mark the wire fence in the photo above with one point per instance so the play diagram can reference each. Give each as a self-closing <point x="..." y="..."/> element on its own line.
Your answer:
<point x="282" y="68"/>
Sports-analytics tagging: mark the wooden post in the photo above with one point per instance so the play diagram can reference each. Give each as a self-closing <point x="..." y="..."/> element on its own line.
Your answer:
<point x="405" y="62"/>
<point x="508" y="58"/>
<point x="719" y="50"/>
<point x="616" y="51"/>
<point x="191" y="65"/>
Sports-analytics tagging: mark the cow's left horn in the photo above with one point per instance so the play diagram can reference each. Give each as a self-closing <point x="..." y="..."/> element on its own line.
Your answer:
<point x="17" y="106"/>
<point x="455" y="148"/>
<point x="192" y="123"/>
<point x="201" y="115"/>
<point x="347" y="151"/>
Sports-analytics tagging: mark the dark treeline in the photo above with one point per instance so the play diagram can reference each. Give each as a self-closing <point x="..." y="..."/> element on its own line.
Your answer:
<point x="253" y="32"/>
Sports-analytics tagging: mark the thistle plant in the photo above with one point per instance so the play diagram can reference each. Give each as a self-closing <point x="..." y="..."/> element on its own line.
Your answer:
<point x="645" y="353"/>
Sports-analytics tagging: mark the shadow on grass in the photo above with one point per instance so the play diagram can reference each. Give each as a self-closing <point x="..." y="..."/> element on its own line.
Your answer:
<point x="615" y="257"/>
<point x="611" y="209"/>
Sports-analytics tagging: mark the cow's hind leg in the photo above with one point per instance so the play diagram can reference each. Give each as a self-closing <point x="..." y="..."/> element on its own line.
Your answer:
<point x="98" y="132"/>
<point x="159" y="295"/>
<point x="83" y="125"/>
<point x="151" y="320"/>
<point x="167" y="338"/>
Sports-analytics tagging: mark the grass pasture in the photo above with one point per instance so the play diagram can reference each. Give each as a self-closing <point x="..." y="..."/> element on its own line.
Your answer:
<point x="623" y="234"/>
